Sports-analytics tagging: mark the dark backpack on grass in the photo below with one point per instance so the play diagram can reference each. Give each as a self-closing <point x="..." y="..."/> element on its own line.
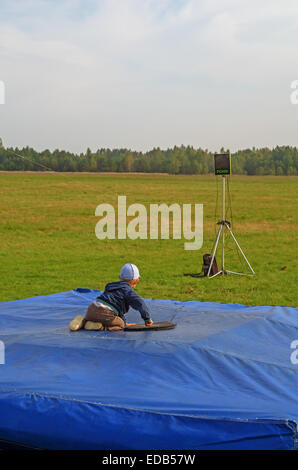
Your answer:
<point x="206" y="264"/>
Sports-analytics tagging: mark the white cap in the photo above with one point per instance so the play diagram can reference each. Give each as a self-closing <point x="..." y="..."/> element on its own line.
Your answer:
<point x="129" y="272"/>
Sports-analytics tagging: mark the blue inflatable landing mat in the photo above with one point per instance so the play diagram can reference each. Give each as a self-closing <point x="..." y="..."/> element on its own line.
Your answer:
<point x="225" y="378"/>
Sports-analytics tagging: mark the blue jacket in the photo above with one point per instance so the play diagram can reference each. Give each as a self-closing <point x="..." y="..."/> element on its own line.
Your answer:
<point x="121" y="296"/>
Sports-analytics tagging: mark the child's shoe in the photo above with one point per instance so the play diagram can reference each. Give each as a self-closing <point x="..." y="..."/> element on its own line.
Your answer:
<point x="93" y="325"/>
<point x="77" y="323"/>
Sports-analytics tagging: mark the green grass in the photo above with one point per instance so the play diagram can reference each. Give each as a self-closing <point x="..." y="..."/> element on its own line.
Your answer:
<point x="48" y="242"/>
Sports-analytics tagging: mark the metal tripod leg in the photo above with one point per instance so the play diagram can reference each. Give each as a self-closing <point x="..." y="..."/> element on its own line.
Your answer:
<point x="234" y="238"/>
<point x="214" y="251"/>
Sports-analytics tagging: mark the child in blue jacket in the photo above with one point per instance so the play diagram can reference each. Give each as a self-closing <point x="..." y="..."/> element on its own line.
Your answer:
<point x="108" y="310"/>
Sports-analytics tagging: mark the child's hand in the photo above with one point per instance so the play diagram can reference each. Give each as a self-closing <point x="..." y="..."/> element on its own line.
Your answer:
<point x="149" y="323"/>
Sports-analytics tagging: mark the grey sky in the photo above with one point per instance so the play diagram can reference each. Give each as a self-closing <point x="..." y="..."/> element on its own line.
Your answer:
<point x="148" y="73"/>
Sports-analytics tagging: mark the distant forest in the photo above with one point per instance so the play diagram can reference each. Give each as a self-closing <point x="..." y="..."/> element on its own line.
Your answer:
<point x="183" y="160"/>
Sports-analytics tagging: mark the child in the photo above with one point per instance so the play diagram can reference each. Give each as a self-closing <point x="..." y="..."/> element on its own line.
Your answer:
<point x="108" y="310"/>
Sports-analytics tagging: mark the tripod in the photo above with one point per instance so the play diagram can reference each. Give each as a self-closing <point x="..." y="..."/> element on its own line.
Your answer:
<point x="225" y="224"/>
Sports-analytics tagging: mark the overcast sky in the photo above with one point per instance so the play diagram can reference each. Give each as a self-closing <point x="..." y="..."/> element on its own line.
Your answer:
<point x="146" y="73"/>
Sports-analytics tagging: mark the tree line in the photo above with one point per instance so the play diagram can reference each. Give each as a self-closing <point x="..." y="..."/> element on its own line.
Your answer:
<point x="186" y="160"/>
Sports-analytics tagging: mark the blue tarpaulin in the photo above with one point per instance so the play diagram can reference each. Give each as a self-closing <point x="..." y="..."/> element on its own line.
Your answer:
<point x="222" y="379"/>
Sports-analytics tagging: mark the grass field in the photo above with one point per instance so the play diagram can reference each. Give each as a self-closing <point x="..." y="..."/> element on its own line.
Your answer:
<point x="48" y="242"/>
